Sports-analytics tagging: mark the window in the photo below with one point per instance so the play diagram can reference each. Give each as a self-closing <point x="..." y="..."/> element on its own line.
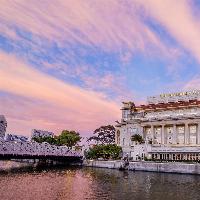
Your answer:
<point x="169" y="130"/>
<point x="193" y="129"/>
<point x="132" y="142"/>
<point x="148" y="131"/>
<point x="134" y="130"/>
<point x="181" y="129"/>
<point x="125" y="114"/>
<point x="157" y="131"/>
<point x="123" y="141"/>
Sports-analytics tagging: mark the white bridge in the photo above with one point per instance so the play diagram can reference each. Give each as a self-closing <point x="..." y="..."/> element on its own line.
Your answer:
<point x="34" y="150"/>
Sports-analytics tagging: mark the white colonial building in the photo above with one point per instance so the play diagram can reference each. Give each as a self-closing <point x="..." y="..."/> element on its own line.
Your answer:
<point x="3" y="126"/>
<point x="168" y="123"/>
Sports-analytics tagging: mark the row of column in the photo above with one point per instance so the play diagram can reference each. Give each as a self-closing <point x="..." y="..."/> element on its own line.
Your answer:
<point x="176" y="156"/>
<point x="174" y="133"/>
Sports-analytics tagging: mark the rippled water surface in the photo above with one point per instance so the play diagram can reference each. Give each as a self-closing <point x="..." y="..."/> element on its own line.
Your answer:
<point x="87" y="183"/>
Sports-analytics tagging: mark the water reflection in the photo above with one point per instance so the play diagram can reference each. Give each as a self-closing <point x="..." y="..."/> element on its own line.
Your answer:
<point x="87" y="183"/>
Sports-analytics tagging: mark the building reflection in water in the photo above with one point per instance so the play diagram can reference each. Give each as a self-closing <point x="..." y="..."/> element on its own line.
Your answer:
<point x="88" y="183"/>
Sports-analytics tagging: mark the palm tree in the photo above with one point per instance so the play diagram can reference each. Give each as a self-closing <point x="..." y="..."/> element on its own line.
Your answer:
<point x="137" y="138"/>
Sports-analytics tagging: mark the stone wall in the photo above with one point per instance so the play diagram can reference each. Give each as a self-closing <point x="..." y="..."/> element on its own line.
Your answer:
<point x="171" y="167"/>
<point x="103" y="164"/>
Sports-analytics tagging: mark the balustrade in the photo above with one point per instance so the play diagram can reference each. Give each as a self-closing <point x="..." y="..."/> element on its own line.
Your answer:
<point x="28" y="148"/>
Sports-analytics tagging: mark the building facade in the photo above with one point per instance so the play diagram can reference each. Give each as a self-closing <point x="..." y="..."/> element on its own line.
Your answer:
<point x="41" y="133"/>
<point x="169" y="125"/>
<point x="3" y="126"/>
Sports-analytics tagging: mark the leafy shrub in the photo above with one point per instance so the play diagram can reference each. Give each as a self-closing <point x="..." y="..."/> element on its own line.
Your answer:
<point x="109" y="151"/>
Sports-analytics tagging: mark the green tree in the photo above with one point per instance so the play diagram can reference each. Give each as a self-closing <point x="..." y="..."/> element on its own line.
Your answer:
<point x="103" y="135"/>
<point x="49" y="140"/>
<point x="137" y="138"/>
<point x="68" y="138"/>
<point x="104" y="151"/>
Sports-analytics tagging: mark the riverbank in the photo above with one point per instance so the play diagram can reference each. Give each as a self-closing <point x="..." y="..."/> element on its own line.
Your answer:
<point x="170" y="167"/>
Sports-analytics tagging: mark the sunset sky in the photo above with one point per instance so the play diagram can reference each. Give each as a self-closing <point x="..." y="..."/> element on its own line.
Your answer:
<point x="68" y="64"/>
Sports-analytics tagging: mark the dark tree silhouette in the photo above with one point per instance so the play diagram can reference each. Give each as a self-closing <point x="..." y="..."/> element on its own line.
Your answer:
<point x="104" y="135"/>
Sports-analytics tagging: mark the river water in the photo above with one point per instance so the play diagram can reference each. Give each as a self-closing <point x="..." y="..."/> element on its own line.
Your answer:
<point x="60" y="183"/>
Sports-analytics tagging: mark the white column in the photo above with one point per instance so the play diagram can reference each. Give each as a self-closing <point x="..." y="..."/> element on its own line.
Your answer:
<point x="198" y="133"/>
<point x="152" y="133"/>
<point x="143" y="133"/>
<point x="163" y="134"/>
<point x="187" y="137"/>
<point x="174" y="141"/>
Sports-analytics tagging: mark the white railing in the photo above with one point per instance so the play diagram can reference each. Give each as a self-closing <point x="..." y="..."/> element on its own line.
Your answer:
<point x="175" y="149"/>
<point x="34" y="148"/>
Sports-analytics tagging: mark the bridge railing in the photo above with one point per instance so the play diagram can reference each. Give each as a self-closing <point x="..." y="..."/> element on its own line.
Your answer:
<point x="34" y="148"/>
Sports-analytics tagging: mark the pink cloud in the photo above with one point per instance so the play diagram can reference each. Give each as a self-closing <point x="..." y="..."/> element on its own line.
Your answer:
<point x="194" y="83"/>
<point x="112" y="25"/>
<point x="178" y="19"/>
<point x="63" y="105"/>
